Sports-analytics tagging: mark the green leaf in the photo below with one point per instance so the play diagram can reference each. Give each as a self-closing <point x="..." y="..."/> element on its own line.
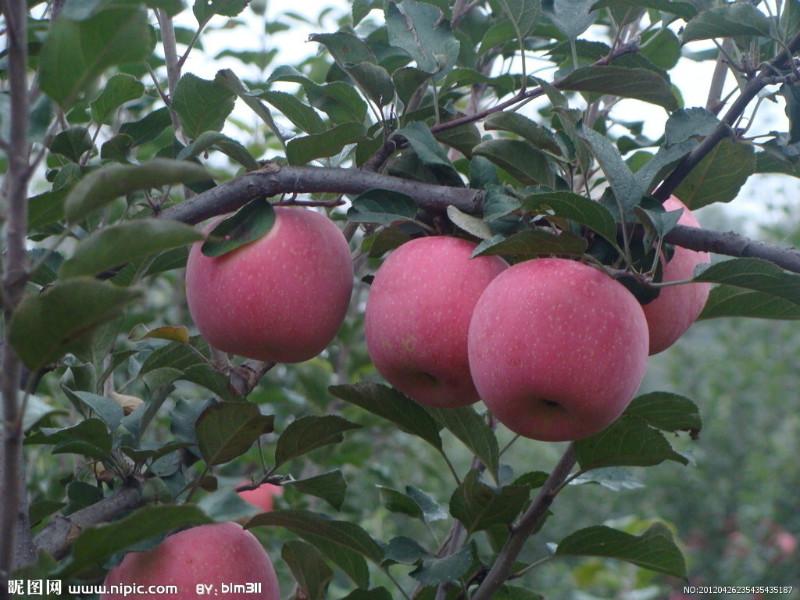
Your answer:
<point x="75" y="53"/>
<point x="468" y="223"/>
<point x="512" y="592"/>
<point x="629" y="441"/>
<point x="572" y="17"/>
<point x="309" y="433"/>
<point x="469" y="427"/>
<point x="107" y="183"/>
<point x="202" y="104"/>
<point x="99" y="543"/>
<point x="205" y="9"/>
<point x="90" y="438"/>
<point x="420" y="29"/>
<point x="520" y="159"/>
<point x="719" y="176"/>
<point x="429" y="151"/>
<point x="435" y="571"/>
<point x="576" y="208"/>
<point x="398" y="502"/>
<point x="382" y="207"/>
<point x="345" y="48"/>
<point x="531" y="243"/>
<point x="727" y="21"/>
<point x="62" y="318"/>
<point x="404" y="550"/>
<point x="183" y="361"/>
<point x="308" y="566"/>
<point x="463" y="138"/>
<point x="107" y="409"/>
<point x="228" y="146"/>
<point x="479" y="506"/>
<point x="339" y="100"/>
<point x="72" y="143"/>
<point x="655" y="549"/>
<point x="302" y="116"/>
<point x="627" y="189"/>
<point x="537" y="135"/>
<point x="522" y="13"/>
<point x="228" y="429"/>
<point x="662" y="48"/>
<point x="730" y="301"/>
<point x="119" y="89"/>
<point x="374" y="80"/>
<point x="250" y="223"/>
<point x="302" y="150"/>
<point x="497" y="203"/>
<point x="229" y="80"/>
<point x="118" y="244"/>
<point x="393" y="406"/>
<point x="148" y="127"/>
<point x="330" y="486"/>
<point x="641" y="84"/>
<point x="754" y="274"/>
<point x="685" y="10"/>
<point x="612" y="478"/>
<point x="360" y="10"/>
<point x="307" y="524"/>
<point x="666" y="411"/>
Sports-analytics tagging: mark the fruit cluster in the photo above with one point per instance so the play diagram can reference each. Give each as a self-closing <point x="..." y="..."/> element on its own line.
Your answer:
<point x="554" y="347"/>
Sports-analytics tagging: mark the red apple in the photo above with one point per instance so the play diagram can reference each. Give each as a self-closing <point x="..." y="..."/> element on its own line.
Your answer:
<point x="417" y="318"/>
<point x="262" y="497"/>
<point x="557" y="349"/>
<point x="281" y="298"/>
<point x="209" y="555"/>
<point x="677" y="307"/>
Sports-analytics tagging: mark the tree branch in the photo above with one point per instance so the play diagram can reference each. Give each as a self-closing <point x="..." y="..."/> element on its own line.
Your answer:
<point x="529" y="523"/>
<point x="57" y="537"/>
<point x="12" y="513"/>
<point x="723" y="130"/>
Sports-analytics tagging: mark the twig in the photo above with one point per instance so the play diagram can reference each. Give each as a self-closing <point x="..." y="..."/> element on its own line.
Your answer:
<point x="723" y="130"/>
<point x="171" y="59"/>
<point x="532" y="519"/>
<point x="717" y="82"/>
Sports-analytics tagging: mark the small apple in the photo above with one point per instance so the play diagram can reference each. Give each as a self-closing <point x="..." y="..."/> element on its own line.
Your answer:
<point x="262" y="497"/>
<point x="677" y="307"/>
<point x="418" y="312"/>
<point x="281" y="298"/>
<point x="213" y="555"/>
<point x="557" y="349"/>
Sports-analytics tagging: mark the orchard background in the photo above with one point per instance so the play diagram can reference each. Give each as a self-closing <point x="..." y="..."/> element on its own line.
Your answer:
<point x="525" y="126"/>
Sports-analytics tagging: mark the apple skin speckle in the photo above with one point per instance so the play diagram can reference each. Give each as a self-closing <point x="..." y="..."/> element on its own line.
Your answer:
<point x="555" y="331"/>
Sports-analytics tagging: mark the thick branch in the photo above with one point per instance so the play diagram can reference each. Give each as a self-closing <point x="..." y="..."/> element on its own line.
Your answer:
<point x="723" y="130"/>
<point x="275" y="179"/>
<point x="528" y="524"/>
<point x="14" y="278"/>
<point x="57" y="537"/>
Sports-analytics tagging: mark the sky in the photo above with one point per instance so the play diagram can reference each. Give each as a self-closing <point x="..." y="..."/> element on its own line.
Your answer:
<point x="691" y="77"/>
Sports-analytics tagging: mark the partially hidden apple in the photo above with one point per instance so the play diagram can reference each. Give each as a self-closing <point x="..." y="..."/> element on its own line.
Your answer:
<point x="677" y="307"/>
<point x="557" y="349"/>
<point x="217" y="555"/>
<point x="262" y="497"/>
<point x="281" y="298"/>
<point x="418" y="312"/>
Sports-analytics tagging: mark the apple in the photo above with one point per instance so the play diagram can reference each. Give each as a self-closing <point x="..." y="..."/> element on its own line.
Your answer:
<point x="677" y="307"/>
<point x="557" y="349"/>
<point x="215" y="554"/>
<point x="418" y="312"/>
<point x="262" y="497"/>
<point x="281" y="298"/>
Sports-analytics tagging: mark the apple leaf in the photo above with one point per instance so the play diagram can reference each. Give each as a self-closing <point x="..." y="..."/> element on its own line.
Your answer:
<point x="97" y="544"/>
<point x="250" y="223"/>
<point x="309" y="568"/>
<point x="754" y="274"/>
<point x="531" y="243"/>
<point x="655" y="549"/>
<point x="629" y="441"/>
<point x="577" y="208"/>
<point x="730" y="301"/>
<point x="469" y="427"/>
<point x="667" y="411"/>
<point x="330" y="486"/>
<point x="309" y="433"/>
<point x="479" y="506"/>
<point x="228" y="429"/>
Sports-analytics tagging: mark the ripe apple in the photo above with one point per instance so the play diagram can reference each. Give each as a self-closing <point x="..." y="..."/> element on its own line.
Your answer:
<point x="262" y="497"/>
<point x="557" y="349"/>
<point x="417" y="318"/>
<point x="677" y="307"/>
<point x="216" y="554"/>
<point x="281" y="298"/>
